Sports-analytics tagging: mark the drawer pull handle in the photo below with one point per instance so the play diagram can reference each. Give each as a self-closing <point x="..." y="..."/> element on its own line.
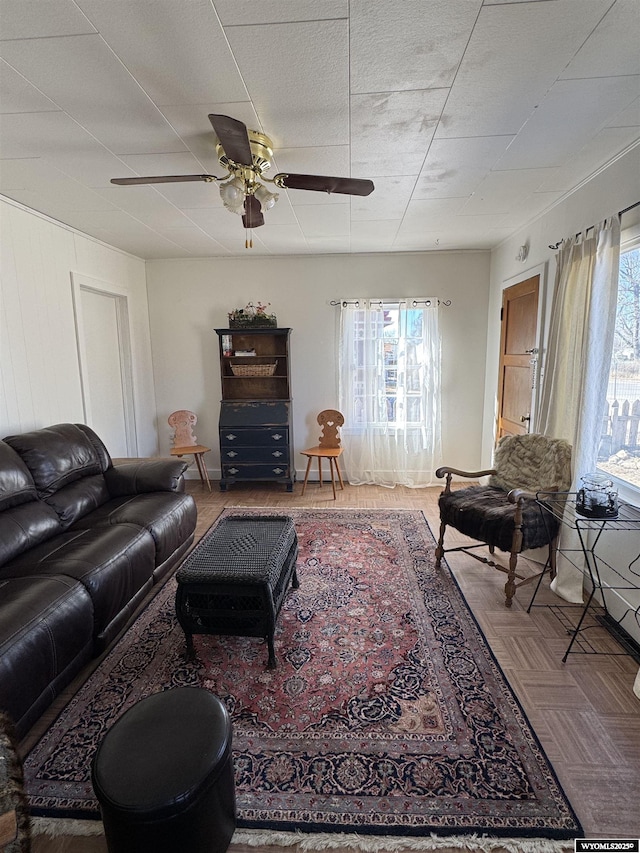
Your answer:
<point x="278" y="471"/>
<point x="276" y="436"/>
<point x="230" y="437"/>
<point x="233" y="470"/>
<point x="231" y="454"/>
<point x="277" y="453"/>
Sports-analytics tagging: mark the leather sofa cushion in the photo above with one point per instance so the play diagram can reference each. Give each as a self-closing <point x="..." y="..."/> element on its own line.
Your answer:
<point x="56" y="456"/>
<point x="169" y="517"/>
<point x="75" y="500"/>
<point x="111" y="563"/>
<point x="46" y="637"/>
<point x="16" y="483"/>
<point x="24" y="520"/>
<point x="24" y="527"/>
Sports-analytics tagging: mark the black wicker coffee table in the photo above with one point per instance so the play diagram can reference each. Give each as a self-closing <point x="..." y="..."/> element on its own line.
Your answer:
<point x="236" y="578"/>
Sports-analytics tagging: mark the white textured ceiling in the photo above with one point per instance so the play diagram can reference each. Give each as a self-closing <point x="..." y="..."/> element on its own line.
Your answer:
<point x="470" y="117"/>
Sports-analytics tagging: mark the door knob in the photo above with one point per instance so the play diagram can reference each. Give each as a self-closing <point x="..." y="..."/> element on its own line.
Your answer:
<point x="524" y="418"/>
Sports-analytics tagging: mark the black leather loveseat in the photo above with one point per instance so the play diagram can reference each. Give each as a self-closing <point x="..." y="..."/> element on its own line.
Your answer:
<point x="81" y="543"/>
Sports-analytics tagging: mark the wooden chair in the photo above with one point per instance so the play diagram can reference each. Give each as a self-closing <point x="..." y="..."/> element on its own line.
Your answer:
<point x="505" y="513"/>
<point x="185" y="443"/>
<point x="328" y="448"/>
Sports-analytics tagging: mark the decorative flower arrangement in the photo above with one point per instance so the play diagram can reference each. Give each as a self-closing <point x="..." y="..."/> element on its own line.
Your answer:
<point x="252" y="316"/>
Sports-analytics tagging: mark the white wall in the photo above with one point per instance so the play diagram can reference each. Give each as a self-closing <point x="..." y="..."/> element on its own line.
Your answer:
<point x="611" y="191"/>
<point x="40" y="380"/>
<point x="188" y="299"/>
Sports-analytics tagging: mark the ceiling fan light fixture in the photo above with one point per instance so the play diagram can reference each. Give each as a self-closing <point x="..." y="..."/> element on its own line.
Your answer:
<point x="232" y="194"/>
<point x="266" y="198"/>
<point x="246" y="154"/>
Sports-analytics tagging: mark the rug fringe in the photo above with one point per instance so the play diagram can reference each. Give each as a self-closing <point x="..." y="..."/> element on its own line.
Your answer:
<point x="377" y="844"/>
<point x="52" y="827"/>
<point x="55" y="827"/>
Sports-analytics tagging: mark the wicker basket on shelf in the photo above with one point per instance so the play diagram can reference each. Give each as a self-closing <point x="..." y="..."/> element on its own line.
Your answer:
<point x="253" y="369"/>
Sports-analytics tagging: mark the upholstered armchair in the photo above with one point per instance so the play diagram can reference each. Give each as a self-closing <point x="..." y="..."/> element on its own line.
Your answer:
<point x="505" y="514"/>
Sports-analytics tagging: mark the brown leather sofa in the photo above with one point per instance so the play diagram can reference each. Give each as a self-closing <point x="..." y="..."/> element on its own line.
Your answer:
<point x="81" y="543"/>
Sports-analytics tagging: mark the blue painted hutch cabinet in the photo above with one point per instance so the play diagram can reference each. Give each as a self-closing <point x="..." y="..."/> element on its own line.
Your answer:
<point x="256" y="441"/>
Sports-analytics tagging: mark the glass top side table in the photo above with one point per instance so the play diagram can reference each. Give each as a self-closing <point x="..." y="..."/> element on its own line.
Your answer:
<point x="605" y="577"/>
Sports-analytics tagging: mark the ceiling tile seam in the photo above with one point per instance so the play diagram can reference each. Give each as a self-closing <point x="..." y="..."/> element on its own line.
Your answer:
<point x="559" y="78"/>
<point x="58" y="36"/>
<point x="32" y="112"/>
<point x="304" y="236"/>
<point x="444" y="105"/>
<point x="595" y="77"/>
<point x="474" y="135"/>
<point x="46" y="160"/>
<point x="311" y="147"/>
<point x="86" y="130"/>
<point x="284" y="23"/>
<point x="192" y="222"/>
<point x="422" y="165"/>
<point x="158" y="233"/>
<point x="142" y="89"/>
<point x="33" y="85"/>
<point x="397" y="91"/>
<point x="586" y="38"/>
<point x="99" y="142"/>
<point x="237" y="66"/>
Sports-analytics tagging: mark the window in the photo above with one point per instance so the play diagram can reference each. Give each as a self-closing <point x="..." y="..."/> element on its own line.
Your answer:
<point x="390" y="391"/>
<point x="619" y="453"/>
<point x="390" y="342"/>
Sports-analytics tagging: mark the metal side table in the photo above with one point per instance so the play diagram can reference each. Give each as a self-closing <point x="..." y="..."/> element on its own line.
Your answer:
<point x="605" y="578"/>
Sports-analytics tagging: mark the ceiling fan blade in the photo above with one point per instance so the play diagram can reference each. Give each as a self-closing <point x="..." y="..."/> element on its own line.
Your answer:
<point x="252" y="217"/>
<point x="161" y="179"/>
<point x="324" y="184"/>
<point x="234" y="138"/>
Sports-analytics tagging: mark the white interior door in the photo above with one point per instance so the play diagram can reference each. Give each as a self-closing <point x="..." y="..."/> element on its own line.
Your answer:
<point x="103" y="345"/>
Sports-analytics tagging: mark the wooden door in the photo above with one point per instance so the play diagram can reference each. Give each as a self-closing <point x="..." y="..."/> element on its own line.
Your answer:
<point x="518" y="357"/>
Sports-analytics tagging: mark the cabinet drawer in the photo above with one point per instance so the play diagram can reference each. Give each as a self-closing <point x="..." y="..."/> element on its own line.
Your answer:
<point x="236" y="414"/>
<point x="273" y="455"/>
<point x="255" y="472"/>
<point x="265" y="437"/>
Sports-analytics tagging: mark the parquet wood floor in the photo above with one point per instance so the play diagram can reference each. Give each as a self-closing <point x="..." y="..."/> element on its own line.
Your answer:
<point x="583" y="711"/>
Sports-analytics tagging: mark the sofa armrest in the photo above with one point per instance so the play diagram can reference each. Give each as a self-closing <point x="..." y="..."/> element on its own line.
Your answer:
<point x="134" y="478"/>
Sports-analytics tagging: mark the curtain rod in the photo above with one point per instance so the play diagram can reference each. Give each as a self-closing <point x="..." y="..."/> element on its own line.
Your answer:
<point x="591" y="227"/>
<point x="413" y="303"/>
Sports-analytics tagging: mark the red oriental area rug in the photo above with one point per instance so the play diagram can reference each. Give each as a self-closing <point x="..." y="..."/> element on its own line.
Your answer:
<point x="387" y="713"/>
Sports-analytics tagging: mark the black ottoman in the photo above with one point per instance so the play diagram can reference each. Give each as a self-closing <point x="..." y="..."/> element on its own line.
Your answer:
<point x="163" y="775"/>
<point x="235" y="580"/>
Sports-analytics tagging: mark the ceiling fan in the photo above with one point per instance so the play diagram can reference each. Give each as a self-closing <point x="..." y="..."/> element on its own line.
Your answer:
<point x="246" y="155"/>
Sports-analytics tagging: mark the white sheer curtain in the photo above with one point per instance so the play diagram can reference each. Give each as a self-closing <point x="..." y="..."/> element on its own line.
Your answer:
<point x="389" y="389"/>
<point x="577" y="362"/>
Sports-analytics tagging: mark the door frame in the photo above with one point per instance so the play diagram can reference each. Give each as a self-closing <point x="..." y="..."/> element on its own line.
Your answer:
<point x="538" y="371"/>
<point x="81" y="282"/>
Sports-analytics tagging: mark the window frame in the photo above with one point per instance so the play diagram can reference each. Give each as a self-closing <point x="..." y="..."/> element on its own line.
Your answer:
<point x="630" y="240"/>
<point x="387" y="344"/>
